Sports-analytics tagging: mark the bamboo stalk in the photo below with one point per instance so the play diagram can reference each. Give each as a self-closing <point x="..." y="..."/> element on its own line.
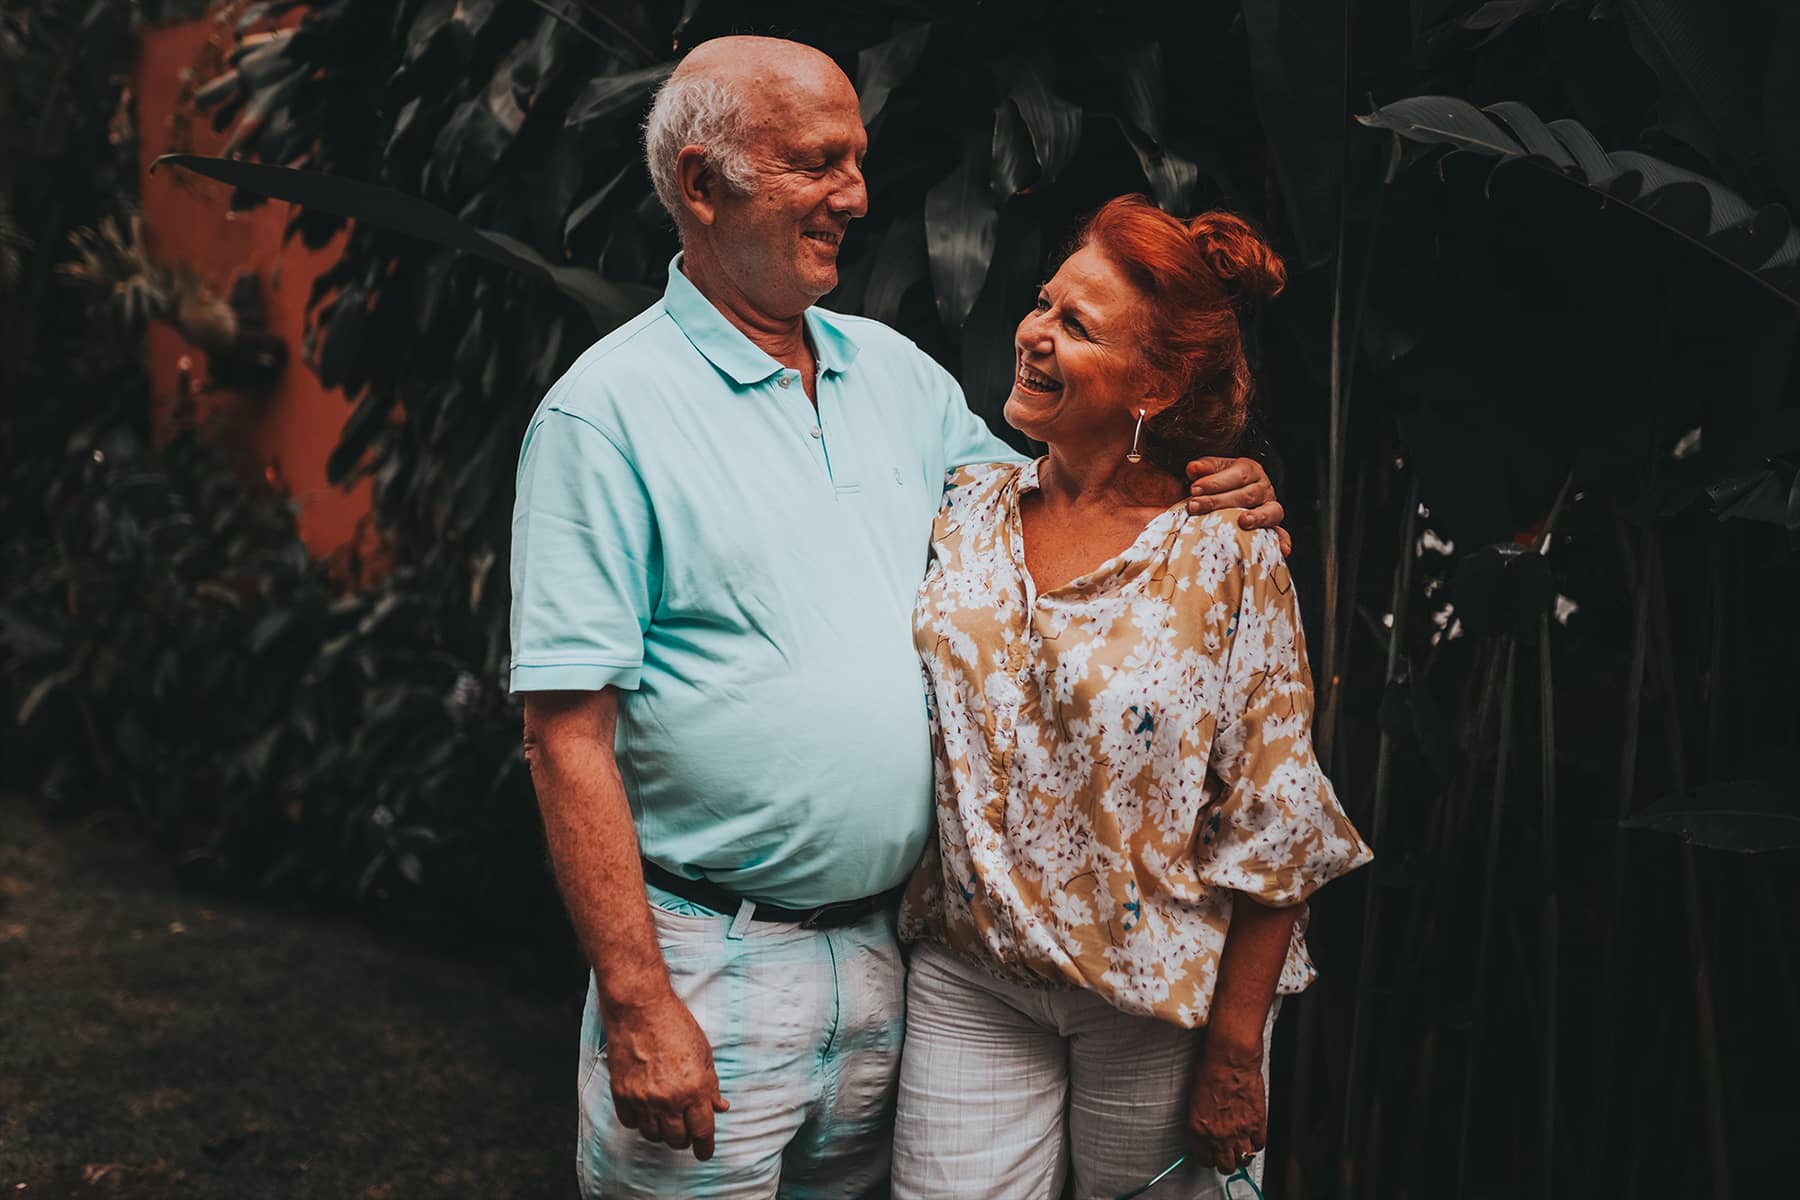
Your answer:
<point x="1712" y="1074"/>
<point x="1547" y="738"/>
<point x="1366" y="966"/>
<point x="1294" y="1180"/>
<point x="1640" y="575"/>
<point x="1428" y="929"/>
<point x="1350" y="571"/>
<point x="1489" y="890"/>
<point x="1784" y="962"/>
<point x="1705" y="1027"/>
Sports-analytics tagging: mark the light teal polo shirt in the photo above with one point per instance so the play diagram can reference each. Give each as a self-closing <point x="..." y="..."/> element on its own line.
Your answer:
<point x="689" y="530"/>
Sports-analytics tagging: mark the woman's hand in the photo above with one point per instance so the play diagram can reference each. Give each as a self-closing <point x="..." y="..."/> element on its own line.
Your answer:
<point x="1216" y="483"/>
<point x="1228" y="1109"/>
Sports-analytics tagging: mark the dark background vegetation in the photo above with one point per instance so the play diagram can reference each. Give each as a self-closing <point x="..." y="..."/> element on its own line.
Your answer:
<point x="1530" y="400"/>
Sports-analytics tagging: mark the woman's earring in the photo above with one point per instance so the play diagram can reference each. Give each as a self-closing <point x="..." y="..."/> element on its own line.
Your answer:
<point x="1134" y="456"/>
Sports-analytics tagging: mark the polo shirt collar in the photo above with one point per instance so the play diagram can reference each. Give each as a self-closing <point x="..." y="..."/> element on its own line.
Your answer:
<point x="725" y="345"/>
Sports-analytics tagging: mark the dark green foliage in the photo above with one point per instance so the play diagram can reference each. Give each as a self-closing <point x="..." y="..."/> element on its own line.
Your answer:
<point x="1530" y="398"/>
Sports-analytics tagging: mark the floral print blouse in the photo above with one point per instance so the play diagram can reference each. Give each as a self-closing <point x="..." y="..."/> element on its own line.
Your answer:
<point x="1116" y="756"/>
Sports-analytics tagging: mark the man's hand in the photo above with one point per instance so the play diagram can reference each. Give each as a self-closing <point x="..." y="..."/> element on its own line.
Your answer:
<point x="663" y="1081"/>
<point x="1216" y="483"/>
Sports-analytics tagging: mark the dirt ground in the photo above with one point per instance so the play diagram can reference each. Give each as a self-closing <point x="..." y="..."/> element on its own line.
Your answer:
<point x="154" y="1043"/>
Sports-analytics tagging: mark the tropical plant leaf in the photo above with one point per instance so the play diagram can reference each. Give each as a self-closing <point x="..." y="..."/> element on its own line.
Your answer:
<point x="899" y="264"/>
<point x="607" y="95"/>
<point x="885" y="66"/>
<point x="960" y="226"/>
<point x="1766" y="494"/>
<point x="1471" y="29"/>
<point x="1012" y="162"/>
<point x="586" y="209"/>
<point x="1297" y="65"/>
<point x="24" y="639"/>
<point x="1054" y="123"/>
<point x="1700" y="209"/>
<point x="987" y="342"/>
<point x="1172" y="178"/>
<point x="360" y="430"/>
<point x="607" y="303"/>
<point x="1742" y="816"/>
<point x="1443" y="120"/>
<point x="42" y="690"/>
<point x="1590" y="157"/>
<point x="1532" y="133"/>
<point x="1710" y="61"/>
<point x="1138" y="71"/>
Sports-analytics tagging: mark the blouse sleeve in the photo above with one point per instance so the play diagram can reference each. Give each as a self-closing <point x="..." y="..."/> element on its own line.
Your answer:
<point x="1273" y="828"/>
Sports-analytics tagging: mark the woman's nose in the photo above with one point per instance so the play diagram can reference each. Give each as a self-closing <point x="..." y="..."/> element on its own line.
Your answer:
<point x="1033" y="337"/>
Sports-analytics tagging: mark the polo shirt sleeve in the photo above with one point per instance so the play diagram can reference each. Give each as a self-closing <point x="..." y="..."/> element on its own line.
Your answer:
<point x="967" y="439"/>
<point x="586" y="561"/>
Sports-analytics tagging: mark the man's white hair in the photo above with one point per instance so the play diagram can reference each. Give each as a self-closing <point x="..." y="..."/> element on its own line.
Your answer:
<point x="690" y="111"/>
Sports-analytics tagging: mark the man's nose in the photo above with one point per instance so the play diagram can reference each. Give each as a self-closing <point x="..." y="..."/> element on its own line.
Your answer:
<point x="851" y="197"/>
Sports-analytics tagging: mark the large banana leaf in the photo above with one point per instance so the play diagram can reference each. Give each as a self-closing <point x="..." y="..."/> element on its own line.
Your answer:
<point x="1138" y="72"/>
<point x="1054" y="123"/>
<point x="1298" y="61"/>
<point x="608" y="304"/>
<point x="960" y="226"/>
<point x="1742" y="816"/>
<point x="885" y="66"/>
<point x="1760" y="243"/>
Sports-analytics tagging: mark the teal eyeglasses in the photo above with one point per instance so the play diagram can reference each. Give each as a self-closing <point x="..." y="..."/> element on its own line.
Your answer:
<point x="1241" y="1175"/>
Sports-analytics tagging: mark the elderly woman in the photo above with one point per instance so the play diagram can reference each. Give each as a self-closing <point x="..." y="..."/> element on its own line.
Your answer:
<point x="1130" y="814"/>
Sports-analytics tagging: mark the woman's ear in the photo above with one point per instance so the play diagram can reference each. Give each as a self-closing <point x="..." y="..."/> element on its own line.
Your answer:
<point x="697" y="183"/>
<point x="1155" y="402"/>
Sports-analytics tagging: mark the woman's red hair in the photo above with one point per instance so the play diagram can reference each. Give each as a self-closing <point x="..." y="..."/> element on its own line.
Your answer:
<point x="1197" y="276"/>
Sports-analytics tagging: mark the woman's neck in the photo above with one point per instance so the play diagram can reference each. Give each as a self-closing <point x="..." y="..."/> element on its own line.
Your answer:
<point x="1104" y="479"/>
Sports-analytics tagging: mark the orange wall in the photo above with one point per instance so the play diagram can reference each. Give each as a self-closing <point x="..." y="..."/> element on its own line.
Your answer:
<point x="289" y="432"/>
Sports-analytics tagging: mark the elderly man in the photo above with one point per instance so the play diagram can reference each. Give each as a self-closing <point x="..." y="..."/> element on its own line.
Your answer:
<point x="723" y="514"/>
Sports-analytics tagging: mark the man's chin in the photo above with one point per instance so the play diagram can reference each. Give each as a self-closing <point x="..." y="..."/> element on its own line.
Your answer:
<point x="822" y="283"/>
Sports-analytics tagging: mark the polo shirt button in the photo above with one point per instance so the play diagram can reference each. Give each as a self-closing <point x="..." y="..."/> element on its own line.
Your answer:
<point x="784" y="381"/>
<point x="815" y="431"/>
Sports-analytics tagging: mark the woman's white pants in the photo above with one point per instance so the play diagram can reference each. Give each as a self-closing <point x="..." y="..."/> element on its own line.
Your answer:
<point x="1006" y="1092"/>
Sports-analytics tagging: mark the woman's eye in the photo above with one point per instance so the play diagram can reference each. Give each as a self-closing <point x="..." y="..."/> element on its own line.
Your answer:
<point x="1076" y="326"/>
<point x="1043" y="305"/>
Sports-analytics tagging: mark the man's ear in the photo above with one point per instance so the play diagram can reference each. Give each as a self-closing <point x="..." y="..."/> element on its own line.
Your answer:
<point x="698" y="184"/>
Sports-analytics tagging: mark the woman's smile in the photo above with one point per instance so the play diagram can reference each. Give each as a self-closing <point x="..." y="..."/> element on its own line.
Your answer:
<point x="1034" y="382"/>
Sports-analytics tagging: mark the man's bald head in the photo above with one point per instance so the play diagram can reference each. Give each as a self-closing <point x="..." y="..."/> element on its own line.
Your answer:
<point x="722" y="94"/>
<point x="759" y="62"/>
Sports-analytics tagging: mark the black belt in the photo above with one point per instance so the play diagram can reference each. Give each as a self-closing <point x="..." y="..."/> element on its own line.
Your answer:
<point x="708" y="894"/>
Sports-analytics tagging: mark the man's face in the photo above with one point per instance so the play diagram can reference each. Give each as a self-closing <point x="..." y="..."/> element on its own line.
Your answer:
<point x="780" y="243"/>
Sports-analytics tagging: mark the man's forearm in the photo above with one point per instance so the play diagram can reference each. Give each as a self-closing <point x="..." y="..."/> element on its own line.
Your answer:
<point x="593" y="848"/>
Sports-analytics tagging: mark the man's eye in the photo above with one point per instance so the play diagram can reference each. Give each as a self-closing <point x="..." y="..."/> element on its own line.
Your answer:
<point x="1076" y="326"/>
<point x="1043" y="305"/>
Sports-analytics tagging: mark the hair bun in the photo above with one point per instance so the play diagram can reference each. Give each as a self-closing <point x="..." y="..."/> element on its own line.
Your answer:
<point x="1238" y="255"/>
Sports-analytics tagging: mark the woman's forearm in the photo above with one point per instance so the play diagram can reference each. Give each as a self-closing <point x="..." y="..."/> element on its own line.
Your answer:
<point x="1256" y="946"/>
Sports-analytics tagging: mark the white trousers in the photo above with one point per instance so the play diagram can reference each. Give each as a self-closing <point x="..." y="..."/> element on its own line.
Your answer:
<point x="1005" y="1092"/>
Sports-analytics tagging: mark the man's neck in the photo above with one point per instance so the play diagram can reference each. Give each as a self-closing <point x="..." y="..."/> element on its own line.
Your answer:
<point x="782" y="338"/>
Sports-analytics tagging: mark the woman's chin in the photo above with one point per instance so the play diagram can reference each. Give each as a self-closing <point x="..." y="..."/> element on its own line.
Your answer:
<point x="1025" y="414"/>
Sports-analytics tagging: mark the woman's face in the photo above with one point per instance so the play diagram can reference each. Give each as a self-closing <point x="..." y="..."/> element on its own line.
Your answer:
<point x="1078" y="376"/>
